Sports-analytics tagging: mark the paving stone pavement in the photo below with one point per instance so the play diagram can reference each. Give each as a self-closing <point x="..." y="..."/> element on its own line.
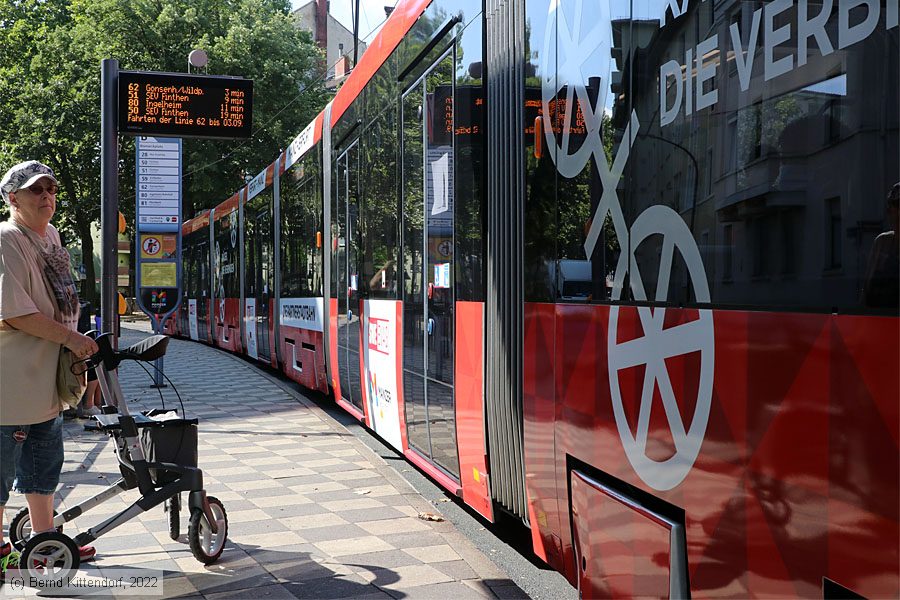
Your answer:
<point x="312" y="511"/>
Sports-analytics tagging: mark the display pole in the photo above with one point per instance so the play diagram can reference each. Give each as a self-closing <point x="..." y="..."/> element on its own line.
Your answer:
<point x="109" y="197"/>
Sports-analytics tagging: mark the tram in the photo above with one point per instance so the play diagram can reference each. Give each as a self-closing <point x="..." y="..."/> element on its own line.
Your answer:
<point x="626" y="271"/>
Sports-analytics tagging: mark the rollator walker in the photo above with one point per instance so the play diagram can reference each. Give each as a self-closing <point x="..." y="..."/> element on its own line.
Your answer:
<point x="157" y="453"/>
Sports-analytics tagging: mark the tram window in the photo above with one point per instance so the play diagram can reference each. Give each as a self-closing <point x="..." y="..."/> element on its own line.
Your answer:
<point x="202" y="255"/>
<point x="226" y="263"/>
<point x="379" y="207"/>
<point x="540" y="173"/>
<point x="301" y="262"/>
<point x="795" y="157"/>
<point x="584" y="122"/>
<point x="468" y="141"/>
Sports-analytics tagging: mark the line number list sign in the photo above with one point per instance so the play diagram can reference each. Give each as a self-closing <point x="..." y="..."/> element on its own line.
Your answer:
<point x="158" y="184"/>
<point x="158" y="217"/>
<point x="174" y="105"/>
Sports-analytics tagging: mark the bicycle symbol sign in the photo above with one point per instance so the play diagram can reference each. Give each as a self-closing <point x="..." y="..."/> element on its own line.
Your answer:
<point x="577" y="50"/>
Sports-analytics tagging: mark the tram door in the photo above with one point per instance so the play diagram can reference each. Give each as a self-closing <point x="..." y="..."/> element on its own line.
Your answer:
<point x="428" y="278"/>
<point x="201" y="255"/>
<point x="347" y="273"/>
<point x="265" y="280"/>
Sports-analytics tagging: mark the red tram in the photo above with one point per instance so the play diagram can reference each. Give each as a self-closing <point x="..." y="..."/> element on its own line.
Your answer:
<point x="625" y="270"/>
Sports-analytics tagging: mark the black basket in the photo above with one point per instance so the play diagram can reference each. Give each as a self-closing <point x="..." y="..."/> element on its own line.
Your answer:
<point x="173" y="441"/>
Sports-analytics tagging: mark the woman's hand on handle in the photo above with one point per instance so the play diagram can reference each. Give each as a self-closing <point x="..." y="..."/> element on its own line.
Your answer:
<point x="81" y="345"/>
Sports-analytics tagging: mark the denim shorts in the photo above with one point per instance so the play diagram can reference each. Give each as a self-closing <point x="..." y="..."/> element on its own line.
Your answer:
<point x="32" y="455"/>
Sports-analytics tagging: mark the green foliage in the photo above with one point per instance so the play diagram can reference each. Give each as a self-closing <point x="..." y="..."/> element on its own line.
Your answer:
<point x="50" y="53"/>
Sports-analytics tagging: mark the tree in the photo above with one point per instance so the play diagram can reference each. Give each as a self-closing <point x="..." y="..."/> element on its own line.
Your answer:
<point x="50" y="53"/>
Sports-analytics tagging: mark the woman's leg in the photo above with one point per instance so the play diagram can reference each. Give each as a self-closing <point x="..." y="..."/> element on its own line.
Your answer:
<point x="37" y="471"/>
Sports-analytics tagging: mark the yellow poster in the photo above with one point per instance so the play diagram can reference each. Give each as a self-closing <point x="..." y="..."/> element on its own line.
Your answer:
<point x="159" y="275"/>
<point x="158" y="245"/>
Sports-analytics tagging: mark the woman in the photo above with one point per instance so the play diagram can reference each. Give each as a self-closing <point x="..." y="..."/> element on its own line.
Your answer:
<point x="38" y="314"/>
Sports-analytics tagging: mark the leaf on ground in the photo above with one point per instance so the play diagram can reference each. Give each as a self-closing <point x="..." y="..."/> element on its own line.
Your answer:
<point x="430" y="517"/>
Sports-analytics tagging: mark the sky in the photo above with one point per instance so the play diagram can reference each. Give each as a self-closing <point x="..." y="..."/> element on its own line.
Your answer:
<point x="372" y="14"/>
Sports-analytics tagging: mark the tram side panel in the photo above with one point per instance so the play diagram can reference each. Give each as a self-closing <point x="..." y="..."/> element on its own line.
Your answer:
<point x="259" y="274"/>
<point x="746" y="452"/>
<point x="196" y="295"/>
<point x="301" y="300"/>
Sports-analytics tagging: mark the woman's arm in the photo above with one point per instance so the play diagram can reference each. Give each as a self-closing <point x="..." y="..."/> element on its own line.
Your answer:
<point x="40" y="325"/>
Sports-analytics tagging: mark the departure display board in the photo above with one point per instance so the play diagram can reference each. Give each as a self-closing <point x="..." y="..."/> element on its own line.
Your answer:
<point x="176" y="105"/>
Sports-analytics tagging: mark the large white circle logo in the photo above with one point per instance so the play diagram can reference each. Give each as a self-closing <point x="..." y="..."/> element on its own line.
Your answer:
<point x="578" y="48"/>
<point x="658" y="344"/>
<point x="585" y="42"/>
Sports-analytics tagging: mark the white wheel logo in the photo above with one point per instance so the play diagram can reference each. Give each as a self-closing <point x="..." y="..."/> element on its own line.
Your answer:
<point x="593" y="48"/>
<point x="658" y="344"/>
<point x="576" y="49"/>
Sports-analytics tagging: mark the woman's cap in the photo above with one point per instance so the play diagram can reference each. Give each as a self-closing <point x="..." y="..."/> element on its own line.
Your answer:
<point x="23" y="175"/>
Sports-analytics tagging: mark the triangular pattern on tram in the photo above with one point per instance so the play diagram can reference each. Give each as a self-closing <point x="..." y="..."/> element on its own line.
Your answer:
<point x="577" y="357"/>
<point x="723" y="559"/>
<point x="794" y="447"/>
<point x="731" y="384"/>
<point x="872" y="345"/>
<point x="538" y="360"/>
<point x="767" y="574"/>
<point x="772" y="373"/>
<point x="874" y="465"/>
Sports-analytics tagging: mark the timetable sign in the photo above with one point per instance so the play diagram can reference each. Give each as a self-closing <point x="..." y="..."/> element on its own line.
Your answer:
<point x="158" y="198"/>
<point x="178" y="105"/>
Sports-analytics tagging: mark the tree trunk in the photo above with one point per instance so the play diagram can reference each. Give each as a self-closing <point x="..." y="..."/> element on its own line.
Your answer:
<point x="82" y="221"/>
<point x="89" y="291"/>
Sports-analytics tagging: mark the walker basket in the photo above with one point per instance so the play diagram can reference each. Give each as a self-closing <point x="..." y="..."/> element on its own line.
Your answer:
<point x="170" y="441"/>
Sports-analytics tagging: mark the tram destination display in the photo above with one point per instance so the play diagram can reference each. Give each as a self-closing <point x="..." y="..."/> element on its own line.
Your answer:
<point x="175" y="105"/>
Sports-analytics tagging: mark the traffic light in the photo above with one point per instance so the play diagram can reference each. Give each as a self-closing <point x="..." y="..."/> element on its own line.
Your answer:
<point x="121" y="223"/>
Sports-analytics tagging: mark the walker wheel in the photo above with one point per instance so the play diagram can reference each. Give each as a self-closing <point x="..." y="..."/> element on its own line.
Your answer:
<point x="50" y="556"/>
<point x="173" y="507"/>
<point x="20" y="528"/>
<point x="207" y="546"/>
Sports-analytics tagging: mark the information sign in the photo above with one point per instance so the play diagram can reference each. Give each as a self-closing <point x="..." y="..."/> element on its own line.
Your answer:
<point x="158" y="218"/>
<point x="178" y="105"/>
<point x="158" y="184"/>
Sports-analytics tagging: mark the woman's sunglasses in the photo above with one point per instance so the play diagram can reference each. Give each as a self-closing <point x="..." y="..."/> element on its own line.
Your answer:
<point x="38" y="189"/>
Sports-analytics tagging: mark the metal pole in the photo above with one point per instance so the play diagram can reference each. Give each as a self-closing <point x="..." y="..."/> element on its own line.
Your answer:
<point x="158" y="372"/>
<point x="109" y="196"/>
<point x="356" y="34"/>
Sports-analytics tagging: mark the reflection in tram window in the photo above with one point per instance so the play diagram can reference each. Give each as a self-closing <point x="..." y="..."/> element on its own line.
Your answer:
<point x="771" y="158"/>
<point x="379" y="230"/>
<point x="795" y="168"/>
<point x="301" y="235"/>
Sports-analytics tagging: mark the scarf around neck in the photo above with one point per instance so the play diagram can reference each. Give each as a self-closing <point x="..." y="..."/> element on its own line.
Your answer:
<point x="58" y="272"/>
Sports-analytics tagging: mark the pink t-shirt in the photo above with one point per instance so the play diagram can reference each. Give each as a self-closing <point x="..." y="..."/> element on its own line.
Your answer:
<point x="27" y="363"/>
